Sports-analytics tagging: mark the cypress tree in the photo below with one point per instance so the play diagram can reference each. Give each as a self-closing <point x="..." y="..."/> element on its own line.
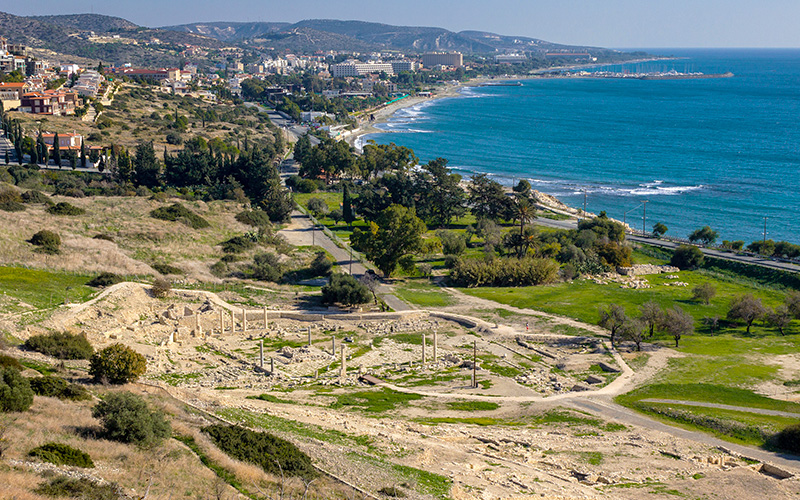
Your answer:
<point x="83" y="154"/>
<point x="56" y="151"/>
<point x="8" y="160"/>
<point x="347" y="208"/>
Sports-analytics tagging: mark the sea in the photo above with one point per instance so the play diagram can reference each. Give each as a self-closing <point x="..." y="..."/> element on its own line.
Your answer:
<point x="719" y="152"/>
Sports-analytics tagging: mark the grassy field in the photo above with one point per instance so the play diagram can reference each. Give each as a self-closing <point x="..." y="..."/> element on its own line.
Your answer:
<point x="582" y="299"/>
<point x="422" y="293"/>
<point x="43" y="289"/>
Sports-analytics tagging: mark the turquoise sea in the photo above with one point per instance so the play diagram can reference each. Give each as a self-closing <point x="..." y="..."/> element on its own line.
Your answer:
<point x="721" y="152"/>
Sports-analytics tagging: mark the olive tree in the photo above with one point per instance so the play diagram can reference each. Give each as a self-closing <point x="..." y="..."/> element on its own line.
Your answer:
<point x="746" y="308"/>
<point x="678" y="323"/>
<point x="117" y="364"/>
<point x="612" y="318"/>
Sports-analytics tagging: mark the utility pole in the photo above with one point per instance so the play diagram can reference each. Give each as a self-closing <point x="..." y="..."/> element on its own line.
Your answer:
<point x="765" y="230"/>
<point x="584" y="203"/>
<point x="644" y="217"/>
<point x="351" y="259"/>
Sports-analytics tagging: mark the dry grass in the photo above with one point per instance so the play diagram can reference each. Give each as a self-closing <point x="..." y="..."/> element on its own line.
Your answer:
<point x="139" y="240"/>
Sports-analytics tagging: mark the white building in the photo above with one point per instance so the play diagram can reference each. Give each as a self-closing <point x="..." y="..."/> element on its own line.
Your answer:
<point x="357" y="68"/>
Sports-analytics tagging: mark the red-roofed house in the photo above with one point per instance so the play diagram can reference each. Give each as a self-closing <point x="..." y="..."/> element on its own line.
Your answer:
<point x="65" y="141"/>
<point x="49" y="102"/>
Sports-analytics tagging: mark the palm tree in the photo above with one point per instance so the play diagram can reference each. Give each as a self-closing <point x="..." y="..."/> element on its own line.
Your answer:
<point x="525" y="212"/>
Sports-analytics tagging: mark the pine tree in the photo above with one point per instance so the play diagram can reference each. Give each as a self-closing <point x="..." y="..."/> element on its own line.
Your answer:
<point x="347" y="208"/>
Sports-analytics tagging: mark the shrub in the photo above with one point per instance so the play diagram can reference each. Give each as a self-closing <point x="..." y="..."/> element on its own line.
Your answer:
<point x="255" y="218"/>
<point x="57" y="387"/>
<point x="61" y="454"/>
<point x="452" y="243"/>
<point x="104" y="279"/>
<point x="47" y="241"/>
<point x="127" y="418"/>
<point x="10" y="362"/>
<point x="106" y="237"/>
<point x="173" y="138"/>
<point x="336" y="215"/>
<point x="164" y="268"/>
<point x="787" y="439"/>
<point x="35" y="196"/>
<point x="118" y="364"/>
<point x="345" y="289"/>
<point x="83" y="488"/>
<point x="266" y="267"/>
<point x="317" y="206"/>
<point x="306" y="186"/>
<point x="321" y="265"/>
<point x="687" y="257"/>
<point x="61" y="345"/>
<point x="177" y="212"/>
<point x="11" y="201"/>
<point x="64" y="208"/>
<point x="160" y="288"/>
<point x="237" y="244"/>
<point x="15" y="391"/>
<point x="504" y="272"/>
<point x="271" y="453"/>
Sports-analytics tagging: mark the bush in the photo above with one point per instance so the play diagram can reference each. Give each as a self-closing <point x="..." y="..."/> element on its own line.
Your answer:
<point x="15" y="391"/>
<point x="164" y="268"/>
<point x="83" y="488"/>
<point x="504" y="272"/>
<point x="57" y="387"/>
<point x="317" y="206"/>
<point x="306" y="186"/>
<point x="104" y="279"/>
<point x="11" y="201"/>
<point x="10" y="362"/>
<point x="106" y="237"/>
<point x="787" y="439"/>
<point x="178" y="212"/>
<point x="65" y="208"/>
<point x="255" y="218"/>
<point x="345" y="289"/>
<point x="237" y="244"/>
<point x="47" y="241"/>
<point x="117" y="364"/>
<point x="61" y="454"/>
<point x="687" y="257"/>
<point x="266" y="267"/>
<point x="160" y="288"/>
<point x="271" y="453"/>
<point x="127" y="418"/>
<point x="61" y="345"/>
<point x="34" y="196"/>
<point x="452" y="243"/>
<point x="321" y="265"/>
<point x="174" y="138"/>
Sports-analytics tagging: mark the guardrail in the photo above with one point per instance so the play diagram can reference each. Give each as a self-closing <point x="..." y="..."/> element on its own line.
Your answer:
<point x="354" y="254"/>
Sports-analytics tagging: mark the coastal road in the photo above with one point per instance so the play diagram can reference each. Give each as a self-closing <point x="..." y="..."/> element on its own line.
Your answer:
<point x="284" y="122"/>
<point x="671" y="245"/>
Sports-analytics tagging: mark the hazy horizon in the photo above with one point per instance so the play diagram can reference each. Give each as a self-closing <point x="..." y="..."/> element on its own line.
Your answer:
<point x="612" y="23"/>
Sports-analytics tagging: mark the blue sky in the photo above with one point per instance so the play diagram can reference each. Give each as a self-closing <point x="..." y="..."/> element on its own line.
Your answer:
<point x="608" y="23"/>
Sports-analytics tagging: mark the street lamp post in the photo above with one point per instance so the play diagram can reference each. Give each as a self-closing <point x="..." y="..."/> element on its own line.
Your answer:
<point x="644" y="217"/>
<point x="765" y="230"/>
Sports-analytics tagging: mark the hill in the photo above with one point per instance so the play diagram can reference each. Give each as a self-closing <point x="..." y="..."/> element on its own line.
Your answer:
<point x="136" y="45"/>
<point x="331" y="34"/>
<point x="229" y="32"/>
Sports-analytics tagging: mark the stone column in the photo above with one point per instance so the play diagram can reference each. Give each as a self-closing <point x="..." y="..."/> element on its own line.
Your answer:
<point x="233" y="322"/>
<point x="343" y="369"/>
<point x="244" y="319"/>
<point x="221" y="322"/>
<point x="435" y="342"/>
<point x="266" y="322"/>
<point x="272" y="366"/>
<point x="423" y="350"/>
<point x="309" y="335"/>
<point x="333" y="345"/>
<point x="198" y="330"/>
<point x="261" y="353"/>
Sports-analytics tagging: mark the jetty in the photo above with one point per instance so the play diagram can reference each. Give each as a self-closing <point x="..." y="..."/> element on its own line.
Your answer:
<point x="655" y="75"/>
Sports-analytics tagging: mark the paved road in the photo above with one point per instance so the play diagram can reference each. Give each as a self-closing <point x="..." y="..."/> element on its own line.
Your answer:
<point x="285" y="123"/>
<point x="717" y="254"/>
<point x="607" y="409"/>
<point x="745" y="409"/>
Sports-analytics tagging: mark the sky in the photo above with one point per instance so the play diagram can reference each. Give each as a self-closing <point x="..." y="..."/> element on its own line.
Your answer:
<point x="606" y="23"/>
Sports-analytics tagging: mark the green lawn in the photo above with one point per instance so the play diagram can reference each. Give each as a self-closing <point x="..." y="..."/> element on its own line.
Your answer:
<point x="424" y="294"/>
<point x="583" y="298"/>
<point x="44" y="288"/>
